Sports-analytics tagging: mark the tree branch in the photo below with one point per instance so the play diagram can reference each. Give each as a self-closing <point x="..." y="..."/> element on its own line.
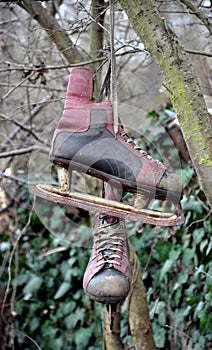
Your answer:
<point x="198" y="13"/>
<point x="22" y="127"/>
<point x="53" y="29"/>
<point x="200" y="53"/>
<point x="16" y="86"/>
<point x="80" y="64"/>
<point x="18" y="152"/>
<point x="28" y="118"/>
<point x="139" y="321"/>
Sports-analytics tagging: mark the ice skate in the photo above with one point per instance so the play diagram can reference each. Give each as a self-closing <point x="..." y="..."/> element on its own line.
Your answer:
<point x="108" y="274"/>
<point x="84" y="140"/>
<point x="107" y="278"/>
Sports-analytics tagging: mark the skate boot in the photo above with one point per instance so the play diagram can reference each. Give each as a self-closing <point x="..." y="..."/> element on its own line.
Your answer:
<point x="84" y="140"/>
<point x="108" y="274"/>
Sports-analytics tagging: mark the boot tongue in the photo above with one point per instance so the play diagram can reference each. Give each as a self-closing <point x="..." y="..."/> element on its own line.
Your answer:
<point x="80" y="85"/>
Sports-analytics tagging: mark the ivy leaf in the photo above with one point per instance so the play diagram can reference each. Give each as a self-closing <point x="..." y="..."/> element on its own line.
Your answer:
<point x="205" y="321"/>
<point x="188" y="256"/>
<point x="159" y="335"/>
<point x="209" y="248"/>
<point x="190" y="203"/>
<point x="198" y="235"/>
<point x="174" y="254"/>
<point x="203" y="244"/>
<point x="82" y="337"/>
<point x="166" y="267"/>
<point x="72" y="319"/>
<point x="186" y="175"/>
<point x="65" y="286"/>
<point x="32" y="286"/>
<point x="182" y="278"/>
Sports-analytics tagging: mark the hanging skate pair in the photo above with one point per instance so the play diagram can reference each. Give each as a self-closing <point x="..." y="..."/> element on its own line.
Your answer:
<point x="84" y="140"/>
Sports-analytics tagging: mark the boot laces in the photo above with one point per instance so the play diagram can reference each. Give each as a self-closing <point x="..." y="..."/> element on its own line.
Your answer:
<point x="108" y="243"/>
<point x="128" y="139"/>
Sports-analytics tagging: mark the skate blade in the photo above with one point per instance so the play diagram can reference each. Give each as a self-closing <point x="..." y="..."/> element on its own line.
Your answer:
<point x="109" y="207"/>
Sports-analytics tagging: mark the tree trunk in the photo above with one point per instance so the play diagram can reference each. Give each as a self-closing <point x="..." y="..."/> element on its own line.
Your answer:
<point x="139" y="321"/>
<point x="182" y="83"/>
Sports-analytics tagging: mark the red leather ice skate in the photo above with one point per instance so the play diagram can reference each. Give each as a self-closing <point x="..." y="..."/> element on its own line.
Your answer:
<point x="108" y="274"/>
<point x="84" y="140"/>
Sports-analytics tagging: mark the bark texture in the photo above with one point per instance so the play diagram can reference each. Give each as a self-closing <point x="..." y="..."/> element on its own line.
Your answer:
<point x="182" y="83"/>
<point x="139" y="321"/>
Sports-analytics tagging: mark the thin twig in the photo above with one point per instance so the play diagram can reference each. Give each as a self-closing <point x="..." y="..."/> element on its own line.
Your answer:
<point x="200" y="53"/>
<point x="18" y="180"/>
<point x="18" y="152"/>
<point x="95" y="19"/>
<point x="32" y="86"/>
<point x="28" y="337"/>
<point x="23" y="127"/>
<point x="70" y="65"/>
<point x="34" y="112"/>
<point x="14" y="37"/>
<point x="198" y="221"/>
<point x="15" y="87"/>
<point x="15" y="246"/>
<point x="198" y="13"/>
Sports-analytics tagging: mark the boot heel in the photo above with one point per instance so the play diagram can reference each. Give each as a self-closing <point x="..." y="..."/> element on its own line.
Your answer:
<point x="64" y="179"/>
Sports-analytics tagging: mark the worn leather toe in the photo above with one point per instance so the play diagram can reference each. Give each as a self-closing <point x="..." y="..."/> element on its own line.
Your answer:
<point x="109" y="285"/>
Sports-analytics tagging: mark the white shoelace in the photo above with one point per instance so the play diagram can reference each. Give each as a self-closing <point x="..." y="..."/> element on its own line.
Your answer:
<point x="108" y="245"/>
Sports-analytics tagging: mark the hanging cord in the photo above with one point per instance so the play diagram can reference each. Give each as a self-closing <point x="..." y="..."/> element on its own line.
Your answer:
<point x="113" y="81"/>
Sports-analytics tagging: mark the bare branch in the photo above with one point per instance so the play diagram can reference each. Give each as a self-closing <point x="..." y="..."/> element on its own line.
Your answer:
<point x="18" y="152"/>
<point x="28" y="118"/>
<point x="15" y="179"/>
<point x="15" y="87"/>
<point x="14" y="37"/>
<point x="53" y="29"/>
<point x="80" y="64"/>
<point x="22" y="127"/>
<point x="198" y="13"/>
<point x="200" y="53"/>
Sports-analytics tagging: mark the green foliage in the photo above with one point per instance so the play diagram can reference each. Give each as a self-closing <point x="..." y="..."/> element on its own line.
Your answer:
<point x="52" y="312"/>
<point x="178" y="277"/>
<point x="50" y="305"/>
<point x="176" y="262"/>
